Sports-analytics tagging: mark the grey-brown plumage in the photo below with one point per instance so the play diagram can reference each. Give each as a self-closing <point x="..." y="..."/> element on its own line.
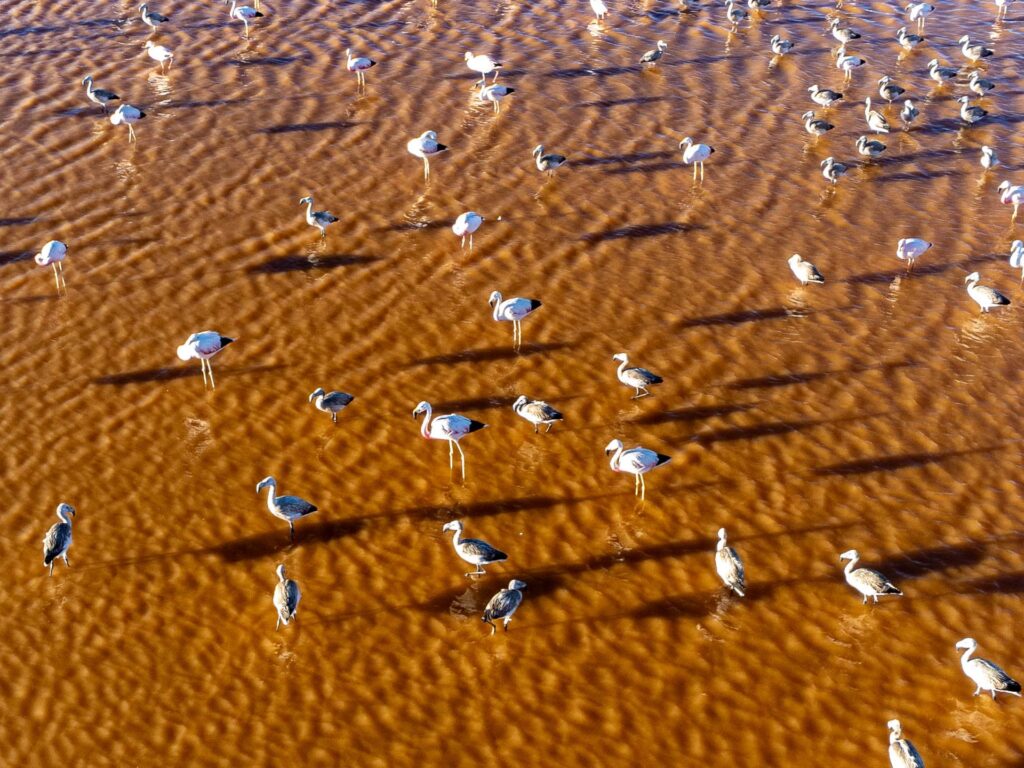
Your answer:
<point x="824" y="96"/>
<point x="652" y="57"/>
<point x="902" y="754"/>
<point x="866" y="581"/>
<point x="536" y="412"/>
<point x="983" y="673"/>
<point x="473" y="551"/>
<point x="729" y="565"/>
<point x="286" y="598"/>
<point x="547" y="161"/>
<point x="330" y="402"/>
<point x="504" y="604"/>
<point x="57" y="540"/>
<point x="815" y="126"/>
<point x="804" y="271"/>
<point x="638" y="378"/>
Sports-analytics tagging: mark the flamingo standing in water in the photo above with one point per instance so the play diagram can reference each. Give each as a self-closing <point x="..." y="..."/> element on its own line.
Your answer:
<point x="286" y="598"/>
<point x="514" y="310"/>
<point x="359" y="65"/>
<point x="424" y="147"/>
<point x="244" y="13"/>
<point x="451" y="427"/>
<point x="202" y="346"/>
<point x="52" y="254"/>
<point x="467" y="223"/>
<point x="636" y="461"/>
<point x="57" y="541"/>
<point x="287" y="508"/>
<point x="126" y="114"/>
<point x="910" y="249"/>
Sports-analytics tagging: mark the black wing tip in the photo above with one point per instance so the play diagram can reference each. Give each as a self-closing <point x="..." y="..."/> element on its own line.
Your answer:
<point x="258" y="15"/>
<point x="892" y="590"/>
<point x="497" y="556"/>
<point x="663" y="459"/>
<point x="312" y="508"/>
<point x="655" y="379"/>
<point x="333" y="219"/>
<point x="225" y="340"/>
<point x="475" y="426"/>
<point x="442" y="147"/>
<point x="1013" y="687"/>
<point x="535" y="304"/>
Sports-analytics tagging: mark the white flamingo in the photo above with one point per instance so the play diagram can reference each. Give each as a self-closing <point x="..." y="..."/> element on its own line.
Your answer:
<point x="729" y="565"/>
<point x="868" y="582"/>
<point x="202" y="346"/>
<point x="287" y="508"/>
<point x="244" y="14"/>
<point x="494" y="93"/>
<point x="359" y="65"/>
<point x="983" y="673"/>
<point x="98" y="95"/>
<point x="804" y="271"/>
<point x="599" y="8"/>
<point x="984" y="297"/>
<point x="876" y="120"/>
<point x="547" y="162"/>
<point x="1011" y="195"/>
<point x="1017" y="257"/>
<point x="451" y="427"/>
<point x="695" y="155"/>
<point x="513" y="310"/>
<point x="126" y="114"/>
<point x="160" y="54"/>
<point x="52" y="254"/>
<point x="319" y="219"/>
<point x="848" y="63"/>
<point x="635" y="461"/>
<point x="467" y="223"/>
<point x="902" y="753"/>
<point x="483" y="65"/>
<point x="424" y="147"/>
<point x="989" y="159"/>
<point x="919" y="12"/>
<point x="909" y="113"/>
<point x="832" y="170"/>
<point x="150" y="18"/>
<point x="910" y="249"/>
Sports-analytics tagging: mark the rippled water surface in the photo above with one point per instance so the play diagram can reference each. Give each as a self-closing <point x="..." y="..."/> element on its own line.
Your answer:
<point x="877" y="412"/>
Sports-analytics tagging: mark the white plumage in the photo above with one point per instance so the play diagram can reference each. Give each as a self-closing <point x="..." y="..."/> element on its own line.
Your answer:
<point x="869" y="147"/>
<point x="483" y="65"/>
<point x="983" y="673"/>
<point x="473" y="551"/>
<point x="632" y="376"/>
<point x="513" y="310"/>
<point x="832" y="170"/>
<point x="970" y="113"/>
<point x="805" y="271"/>
<point x="635" y="461"/>
<point x="451" y="427"/>
<point x="536" y="412"/>
<point x="652" y="56"/>
<point x="319" y="219"/>
<point x="909" y="113"/>
<point x="1011" y="195"/>
<point x="902" y="754"/>
<point x="286" y="598"/>
<point x="547" y="163"/>
<point x="330" y="402"/>
<point x="464" y="226"/>
<point x="504" y="604"/>
<point x="202" y="346"/>
<point x="150" y="18"/>
<point x="848" y="63"/>
<point x="919" y="12"/>
<point x="779" y="46"/>
<point x="128" y="115"/>
<point x="494" y="93"/>
<point x="910" y="249"/>
<point x="876" y="120"/>
<point x="160" y="54"/>
<point x="244" y="14"/>
<point x="695" y="155"/>
<point x="978" y="84"/>
<point x="1017" y="257"/>
<point x="52" y="254"/>
<point x="287" y="508"/>
<point x="359" y="65"/>
<point x="98" y="95"/>
<point x="989" y="159"/>
<point x="57" y="540"/>
<point x="824" y="96"/>
<point x="425" y="146"/>
<point x="974" y="52"/>
<point x="599" y="8"/>
<point x="908" y="41"/>
<point x="941" y="75"/>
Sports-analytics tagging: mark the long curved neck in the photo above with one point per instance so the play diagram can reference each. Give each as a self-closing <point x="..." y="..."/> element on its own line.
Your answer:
<point x="231" y="12"/>
<point x="425" y="427"/>
<point x="309" y="210"/>
<point x="895" y="736"/>
<point x="64" y="517"/>
<point x="966" y="657"/>
<point x="497" y="306"/>
<point x="850" y="566"/>
<point x="722" y="544"/>
<point x="615" y="458"/>
<point x="622" y="367"/>
<point x="456" y="537"/>
<point x="271" y="490"/>
<point x="88" y="86"/>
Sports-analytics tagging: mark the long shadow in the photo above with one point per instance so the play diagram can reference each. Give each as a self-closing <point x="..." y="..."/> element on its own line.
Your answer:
<point x="178" y="372"/>
<point x="266" y="544"/>
<point x="335" y="125"/>
<point x="307" y="263"/>
<point x="695" y="413"/>
<point x="693" y="606"/>
<point x="268" y="61"/>
<point x="592" y="71"/>
<point x="413" y="226"/>
<point x="29" y="299"/>
<point x="635" y="101"/>
<point x="886" y="277"/>
<point x="490" y="354"/>
<point x="18" y="221"/>
<point x="742" y="316"/>
<point x="630" y="158"/>
<point x="921" y="562"/>
<point x="194" y="103"/>
<point x="1002" y="584"/>
<point x="770" y="429"/>
<point x="9" y="257"/>
<point x="787" y="379"/>
<point x="483" y="508"/>
<point x="649" y="168"/>
<point x="641" y="230"/>
<point x="899" y="461"/>
<point x="475" y="403"/>
<point x="918" y="175"/>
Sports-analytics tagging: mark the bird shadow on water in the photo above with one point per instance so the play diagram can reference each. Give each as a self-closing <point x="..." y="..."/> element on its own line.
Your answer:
<point x="921" y="562"/>
<point x="265" y="544"/>
<point x="490" y="354"/>
<point x="178" y="372"/>
<point x="743" y="316"/>
<point x="898" y="461"/>
<point x="696" y="413"/>
<point x="307" y="263"/>
<point x="475" y="403"/>
<point x="641" y="230"/>
<point x="336" y="125"/>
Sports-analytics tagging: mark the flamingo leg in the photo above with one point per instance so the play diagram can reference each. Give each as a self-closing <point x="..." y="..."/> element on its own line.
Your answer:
<point x="463" y="242"/>
<point x="278" y="623"/>
<point x="462" y="457"/>
<point x="131" y="133"/>
<point x="702" y="172"/>
<point x="471" y="243"/>
<point x="451" y="459"/>
<point x="643" y="488"/>
<point x="202" y="367"/>
<point x="209" y="367"/>
<point x="636" y="484"/>
<point x="694" y="173"/>
<point x="60" y="268"/>
<point x="55" y="280"/>
<point x="426" y="168"/>
<point x="291" y="529"/>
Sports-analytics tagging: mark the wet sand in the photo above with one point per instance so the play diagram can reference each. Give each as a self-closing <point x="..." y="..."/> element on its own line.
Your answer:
<point x="877" y="412"/>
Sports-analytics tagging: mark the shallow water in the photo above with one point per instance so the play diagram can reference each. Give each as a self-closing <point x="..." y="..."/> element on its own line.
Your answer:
<point x="877" y="412"/>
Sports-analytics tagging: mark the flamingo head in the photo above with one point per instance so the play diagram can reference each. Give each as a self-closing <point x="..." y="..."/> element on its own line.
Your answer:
<point x="620" y="357"/>
<point x="495" y="298"/>
<point x="686" y="142"/>
<point x="64" y="509"/>
<point x="613" y="446"/>
<point x="306" y="200"/>
<point x="423" y="407"/>
<point x="454" y="525"/>
<point x="318" y="392"/>
<point x="973" y="277"/>
<point x="850" y="554"/>
<point x="280" y="571"/>
<point x="522" y="399"/>
<point x="895" y="727"/>
<point x="517" y="584"/>
<point x="967" y="644"/>
<point x="266" y="482"/>
<point x="538" y="149"/>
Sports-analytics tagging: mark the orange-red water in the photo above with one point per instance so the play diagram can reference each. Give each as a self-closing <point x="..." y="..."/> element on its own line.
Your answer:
<point x="877" y="412"/>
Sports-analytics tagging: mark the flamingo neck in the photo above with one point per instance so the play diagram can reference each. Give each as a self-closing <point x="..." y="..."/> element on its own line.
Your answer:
<point x="850" y="565"/>
<point x="966" y="657"/>
<point x="497" y="308"/>
<point x="622" y="367"/>
<point x="721" y="545"/>
<point x="456" y="537"/>
<point x="271" y="496"/>
<point x="309" y="204"/>
<point x="425" y="427"/>
<point x="615" y="457"/>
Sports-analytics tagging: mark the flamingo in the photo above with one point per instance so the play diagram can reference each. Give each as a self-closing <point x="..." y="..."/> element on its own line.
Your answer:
<point x="202" y="346"/>
<point x="1017" y="257"/>
<point x="126" y="114"/>
<point x="513" y="310"/>
<point x="52" y="254"/>
<point x="984" y="297"/>
<point x="910" y="249"/>
<point x="98" y="95"/>
<point x="425" y="146"/>
<point x="467" y="223"/>
<point x="286" y="598"/>
<point x="244" y="14"/>
<point x="635" y="461"/>
<point x="287" y="508"/>
<point x="57" y="540"/>
<point x="1011" y="195"/>
<point x="160" y="54"/>
<point x="504" y="604"/>
<point x="319" y="219"/>
<point x="983" y="673"/>
<point x="494" y="93"/>
<point x="451" y="427"/>
<point x="695" y="154"/>
<point x="599" y="8"/>
<point x="359" y="65"/>
<point x="483" y="65"/>
<point x="804" y="271"/>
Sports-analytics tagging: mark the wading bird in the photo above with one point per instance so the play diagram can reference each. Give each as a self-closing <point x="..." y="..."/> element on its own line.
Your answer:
<point x="908" y="114"/>
<point x="473" y="551"/>
<point x="919" y="12"/>
<point x="908" y="41"/>
<point x="150" y="18"/>
<point x="202" y="346"/>
<point x="979" y="85"/>
<point x="57" y="540"/>
<point x="513" y="310"/>
<point x="359" y="65"/>
<point x="984" y="297"/>
<point x="126" y="114"/>
<point x="1011" y="195"/>
<point x="330" y="402"/>
<point x="637" y="378"/>
<point x="652" y="56"/>
<point x="941" y="75"/>
<point x="287" y="508"/>
<point x="869" y="147"/>
<point x="974" y="52"/>
<point x="467" y="223"/>
<point x="161" y="54"/>
<point x="494" y="93"/>
<point x="969" y="113"/>
<point x="983" y="673"/>
<point x="866" y="581"/>
<point x="910" y="249"/>
<point x="483" y="65"/>
<point x="848" y="63"/>
<point x="804" y="271"/>
<point x="843" y="35"/>
<point x="244" y="14"/>
<point x="98" y="95"/>
<point x="424" y="147"/>
<point x="536" y="412"/>
<point x="319" y="219"/>
<point x="451" y="427"/>
<point x="599" y="8"/>
<point x="832" y="170"/>
<point x="989" y="159"/>
<point x="635" y="461"/>
<point x="1017" y="257"/>
<point x="814" y="125"/>
<point x="695" y="155"/>
<point x="286" y="598"/>
<point x="902" y="754"/>
<point x="823" y="96"/>
<point x="52" y="254"/>
<point x="547" y="163"/>
<point x="504" y="604"/>
<point x="876" y="120"/>
<point x="729" y="565"/>
<point x="779" y="46"/>
<point x="888" y="90"/>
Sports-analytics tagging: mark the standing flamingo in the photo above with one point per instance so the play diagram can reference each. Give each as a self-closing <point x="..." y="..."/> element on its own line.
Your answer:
<point x="52" y="254"/>
<point x="202" y="346"/>
<point x="451" y="427"/>
<point x="636" y="461"/>
<point x="514" y="310"/>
